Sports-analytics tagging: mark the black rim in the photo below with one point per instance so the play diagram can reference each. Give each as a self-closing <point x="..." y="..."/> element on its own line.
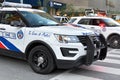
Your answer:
<point x="114" y="42"/>
<point x="40" y="60"/>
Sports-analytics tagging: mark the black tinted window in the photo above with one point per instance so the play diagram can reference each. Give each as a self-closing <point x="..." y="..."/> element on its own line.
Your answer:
<point x="97" y="22"/>
<point x="11" y="18"/>
<point x="84" y="21"/>
<point x="94" y="22"/>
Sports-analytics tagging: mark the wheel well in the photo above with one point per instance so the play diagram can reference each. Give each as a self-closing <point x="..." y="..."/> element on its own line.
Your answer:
<point x="37" y="43"/>
<point x="112" y="35"/>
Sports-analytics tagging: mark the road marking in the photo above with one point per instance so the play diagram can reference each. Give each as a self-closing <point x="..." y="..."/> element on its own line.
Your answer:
<point x="97" y="68"/>
<point x="70" y="76"/>
<point x="114" y="51"/>
<point x="113" y="55"/>
<point x="111" y="61"/>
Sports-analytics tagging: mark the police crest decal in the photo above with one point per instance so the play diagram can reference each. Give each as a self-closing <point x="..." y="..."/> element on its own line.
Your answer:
<point x="20" y="34"/>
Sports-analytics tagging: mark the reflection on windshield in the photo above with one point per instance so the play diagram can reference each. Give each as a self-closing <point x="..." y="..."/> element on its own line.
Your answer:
<point x="111" y="22"/>
<point x="36" y="19"/>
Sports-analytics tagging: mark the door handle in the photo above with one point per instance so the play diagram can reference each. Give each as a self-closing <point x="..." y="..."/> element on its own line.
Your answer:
<point x="2" y="29"/>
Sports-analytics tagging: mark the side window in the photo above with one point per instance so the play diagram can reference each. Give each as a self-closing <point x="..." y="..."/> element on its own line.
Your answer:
<point x="12" y="18"/>
<point x="66" y="19"/>
<point x="84" y="21"/>
<point x="96" y="22"/>
<point x="63" y="20"/>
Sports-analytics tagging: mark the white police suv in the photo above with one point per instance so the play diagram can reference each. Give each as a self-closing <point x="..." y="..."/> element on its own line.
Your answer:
<point x="36" y="36"/>
<point x="106" y="26"/>
<point x="61" y="19"/>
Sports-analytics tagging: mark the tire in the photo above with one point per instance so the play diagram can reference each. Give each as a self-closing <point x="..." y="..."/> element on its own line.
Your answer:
<point x="103" y="51"/>
<point x="114" y="41"/>
<point x="40" y="60"/>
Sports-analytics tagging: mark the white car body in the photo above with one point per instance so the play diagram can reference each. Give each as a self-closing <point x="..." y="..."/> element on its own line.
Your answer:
<point x="107" y="31"/>
<point x="23" y="41"/>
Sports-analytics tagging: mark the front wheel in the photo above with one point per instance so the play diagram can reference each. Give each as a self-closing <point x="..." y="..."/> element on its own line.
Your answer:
<point x="114" y="41"/>
<point x="103" y="51"/>
<point x="40" y="60"/>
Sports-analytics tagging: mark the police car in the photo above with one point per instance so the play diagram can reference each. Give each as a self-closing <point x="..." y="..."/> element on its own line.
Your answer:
<point x="61" y="19"/>
<point x="34" y="35"/>
<point x="107" y="26"/>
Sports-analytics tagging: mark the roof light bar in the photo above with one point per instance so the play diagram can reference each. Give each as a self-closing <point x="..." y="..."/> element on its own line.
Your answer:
<point x="11" y="4"/>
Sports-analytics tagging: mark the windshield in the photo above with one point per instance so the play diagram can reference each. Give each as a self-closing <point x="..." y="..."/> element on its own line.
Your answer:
<point x="57" y="19"/>
<point x="111" y="22"/>
<point x="36" y="19"/>
<point x="62" y="19"/>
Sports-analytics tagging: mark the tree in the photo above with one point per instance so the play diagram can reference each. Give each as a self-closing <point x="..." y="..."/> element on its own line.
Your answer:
<point x="1" y="1"/>
<point x="39" y="2"/>
<point x="69" y="10"/>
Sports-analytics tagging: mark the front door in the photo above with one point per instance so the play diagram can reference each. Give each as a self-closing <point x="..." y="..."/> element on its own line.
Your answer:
<point x="12" y="31"/>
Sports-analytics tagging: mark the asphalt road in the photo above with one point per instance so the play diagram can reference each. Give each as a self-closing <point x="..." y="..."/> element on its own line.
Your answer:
<point x="109" y="69"/>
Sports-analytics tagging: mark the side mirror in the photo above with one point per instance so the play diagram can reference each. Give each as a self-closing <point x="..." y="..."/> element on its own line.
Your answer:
<point x="16" y="24"/>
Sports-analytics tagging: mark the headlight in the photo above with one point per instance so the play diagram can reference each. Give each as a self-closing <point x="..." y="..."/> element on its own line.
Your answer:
<point x="67" y="38"/>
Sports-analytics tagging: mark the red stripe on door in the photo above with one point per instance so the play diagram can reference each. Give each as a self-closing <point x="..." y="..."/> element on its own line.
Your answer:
<point x="2" y="46"/>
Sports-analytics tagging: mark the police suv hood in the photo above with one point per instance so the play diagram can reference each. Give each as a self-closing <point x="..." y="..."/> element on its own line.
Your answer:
<point x="66" y="30"/>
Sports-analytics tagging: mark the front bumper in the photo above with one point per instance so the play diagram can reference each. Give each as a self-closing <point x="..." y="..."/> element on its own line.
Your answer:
<point x="96" y="50"/>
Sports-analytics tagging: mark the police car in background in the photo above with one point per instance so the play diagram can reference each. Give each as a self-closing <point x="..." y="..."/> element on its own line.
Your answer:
<point x="34" y="35"/>
<point x="61" y="19"/>
<point x="106" y="26"/>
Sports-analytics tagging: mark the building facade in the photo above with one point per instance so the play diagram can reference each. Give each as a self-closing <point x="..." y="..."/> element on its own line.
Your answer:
<point x="57" y="5"/>
<point x="108" y="5"/>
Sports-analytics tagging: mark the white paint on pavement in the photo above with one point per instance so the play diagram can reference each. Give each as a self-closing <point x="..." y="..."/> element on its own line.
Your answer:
<point x="109" y="60"/>
<point x="113" y="61"/>
<point x="114" y="51"/>
<point x="113" y="55"/>
<point x="97" y="68"/>
<point x="70" y="76"/>
<point x="103" y="69"/>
